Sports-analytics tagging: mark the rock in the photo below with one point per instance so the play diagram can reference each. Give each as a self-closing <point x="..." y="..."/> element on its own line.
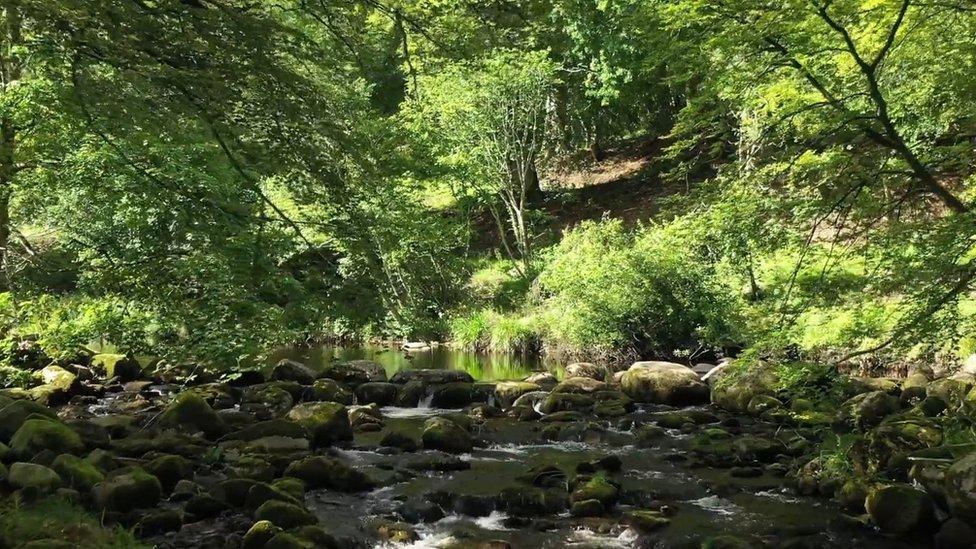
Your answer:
<point x="252" y="467"/>
<point x="588" y="370"/>
<point x="103" y="460"/>
<point x="325" y="422"/>
<point x="322" y="472"/>
<point x="446" y="435"/>
<point x="579" y="385"/>
<point x="410" y="394"/>
<point x="563" y="416"/>
<point x="596" y="488"/>
<point x="284" y="515"/>
<point x="31" y="476"/>
<point x="417" y="510"/>
<point x="270" y="428"/>
<point x="851" y="496"/>
<point x="955" y="534"/>
<point x="586" y="508"/>
<point x="763" y="403"/>
<point x="289" y="485"/>
<point x="901" y="509"/>
<point x="867" y="409"/>
<point x="190" y="412"/>
<point x="219" y="396"/>
<point x="136" y="489"/>
<point x="431" y="376"/>
<point x="394" y="439"/>
<point x="76" y="472"/>
<point x="703" y="369"/>
<point x="14" y="413"/>
<point x="111" y="365"/>
<point x="290" y="370"/>
<point x="951" y="390"/>
<point x="532" y="502"/>
<point x="541" y="378"/>
<point x="170" y="469"/>
<point x="566" y="402"/>
<point x="648" y="436"/>
<point x="354" y="372"/>
<point x="870" y="384"/>
<point x="184" y="490"/>
<point x="204" y="506"/>
<point x="36" y="435"/>
<point x="663" y="383"/>
<point x="960" y="487"/>
<point x="259" y="534"/>
<point x="60" y="385"/>
<point x="522" y="413"/>
<point x="645" y="521"/>
<point x="380" y="393"/>
<point x="531" y="399"/>
<point x="506" y="392"/>
<point x="457" y="394"/>
<point x="397" y="532"/>
<point x="610" y="404"/>
<point x="365" y="418"/>
<point x="286" y="540"/>
<point x="329" y="390"/>
<point x="267" y="401"/>
<point x="158" y="522"/>
<point x="733" y="386"/>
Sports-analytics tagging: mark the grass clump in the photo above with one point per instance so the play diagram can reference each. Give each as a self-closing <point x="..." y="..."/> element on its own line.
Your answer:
<point x="54" y="519"/>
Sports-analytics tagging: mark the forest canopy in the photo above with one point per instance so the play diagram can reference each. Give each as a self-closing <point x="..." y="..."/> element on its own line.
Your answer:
<point x="205" y="180"/>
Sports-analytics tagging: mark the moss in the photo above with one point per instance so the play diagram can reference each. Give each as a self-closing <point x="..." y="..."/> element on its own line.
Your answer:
<point x="42" y="433"/>
<point x="76" y="472"/>
<point x="20" y="524"/>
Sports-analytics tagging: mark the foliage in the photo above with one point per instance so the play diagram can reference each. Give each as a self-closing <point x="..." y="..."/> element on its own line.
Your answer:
<point x="57" y="519"/>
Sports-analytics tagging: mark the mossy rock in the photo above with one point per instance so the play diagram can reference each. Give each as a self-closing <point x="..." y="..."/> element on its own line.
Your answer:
<point x="663" y="383"/>
<point x="42" y="433"/>
<point x="283" y="514"/>
<point x="900" y="509"/>
<point x="445" y="435"/>
<point x="322" y="472"/>
<point x="76" y="472"/>
<point x="14" y="413"/>
<point x="190" y="412"/>
<point x="136" y="489"/>
<point x="566" y="402"/>
<point x="325" y="422"/>
<point x="158" y="522"/>
<point x="761" y="404"/>
<point x="269" y="428"/>
<point x="259" y="534"/>
<point x="290" y="370"/>
<point x="252" y="467"/>
<point x="646" y="521"/>
<point x="507" y="392"/>
<point x="960" y="486"/>
<point x="329" y="390"/>
<point x="380" y="393"/>
<point x="867" y="410"/>
<point x="294" y="487"/>
<point x="123" y="367"/>
<point x="532" y="502"/>
<point x="610" y="404"/>
<point x="586" y="508"/>
<point x="268" y="400"/>
<point x="204" y="506"/>
<point x="170" y="469"/>
<point x="456" y="394"/>
<point x="354" y="372"/>
<point x="261" y="493"/>
<point x="735" y="385"/>
<point x="579" y="386"/>
<point x="34" y="477"/>
<point x="599" y="488"/>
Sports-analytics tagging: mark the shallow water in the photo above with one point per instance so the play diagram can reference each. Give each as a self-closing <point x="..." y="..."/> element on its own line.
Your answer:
<point x="481" y="366"/>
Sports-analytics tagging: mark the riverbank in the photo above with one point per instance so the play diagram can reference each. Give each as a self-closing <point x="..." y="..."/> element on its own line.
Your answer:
<point x="346" y="455"/>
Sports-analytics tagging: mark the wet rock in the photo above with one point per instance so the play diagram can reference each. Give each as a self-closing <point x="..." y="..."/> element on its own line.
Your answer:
<point x="294" y="487"/>
<point x="900" y="509"/>
<point x="31" y="476"/>
<point x="611" y="404"/>
<point x="506" y="392"/>
<point x="676" y="420"/>
<point x="587" y="369"/>
<point x="328" y="390"/>
<point x="532" y="502"/>
<point x="663" y="383"/>
<point x="729" y="542"/>
<point x="410" y="394"/>
<point x="960" y="487"/>
<point x="133" y="490"/>
<point x="646" y="521"/>
<point x="544" y="379"/>
<point x="14" y="413"/>
<point x="204" y="506"/>
<point x="252" y="467"/>
<point x="290" y="370"/>
<point x="566" y="402"/>
<point x="579" y="385"/>
<point x="866" y="410"/>
<point x="955" y="534"/>
<point x="851" y="495"/>
<point x="760" y="404"/>
<point x="42" y="433"/>
<point x="365" y="418"/>
<point x="733" y="392"/>
<point x="394" y="439"/>
<point x="446" y="435"/>
<point x="323" y="472"/>
<point x="219" y="396"/>
<point x="416" y="510"/>
<point x="610" y="464"/>
<point x="110" y="365"/>
<point x="259" y="534"/>
<point x="522" y="413"/>
<point x="431" y="376"/>
<point x="586" y="508"/>
<point x="190" y="412"/>
<point x="326" y="423"/>
<point x="396" y="532"/>
<point x="648" y="436"/>
<point x="158" y="522"/>
<point x="185" y="489"/>
<point x="267" y="401"/>
<point x="284" y="515"/>
<point x="76" y="472"/>
<point x="452" y="395"/>
<point x="436" y="461"/>
<point x="532" y="399"/>
<point x="170" y="469"/>
<point x="597" y="488"/>
<point x="380" y="393"/>
<point x="261" y="493"/>
<point x="273" y="427"/>
<point x="545" y="476"/>
<point x="354" y="372"/>
<point x="276" y="446"/>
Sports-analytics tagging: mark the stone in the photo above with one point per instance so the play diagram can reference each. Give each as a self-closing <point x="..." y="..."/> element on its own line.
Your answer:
<point x="663" y="383"/>
<point x="541" y="378"/>
<point x="259" y="534"/>
<point x="60" y="385"/>
<point x="431" y="376"/>
<point x="456" y="394"/>
<point x="158" y="522"/>
<point x="869" y="384"/>
<point x="587" y="369"/>
<point x="397" y="532"/>
<point x="294" y="487"/>
<point x="579" y="385"/>
<point x="610" y="404"/>
<point x="354" y="372"/>
<point x="204" y="506"/>
<point x="380" y="393"/>
<point x="566" y="402"/>
<point x="252" y="467"/>
<point x="268" y="400"/>
<point x="284" y="515"/>
<point x="13" y="415"/>
<point x="867" y="409"/>
<point x="219" y="396"/>
<point x="733" y="385"/>
<point x="190" y="412"/>
<point x="77" y="473"/>
<point x="599" y="488"/>
<point x="417" y="510"/>
<point x="36" y="435"/>
<point x="184" y="490"/>
<point x="326" y="423"/>
<point x="760" y="404"/>
<point x="586" y="508"/>
<point x="31" y="476"/>
<point x="270" y="428"/>
<point x="395" y="439"/>
<point x="290" y="370"/>
<point x="532" y="502"/>
<point x="410" y="394"/>
<point x="506" y="392"/>
<point x="646" y="521"/>
<point x="900" y="509"/>
<point x="960" y="487"/>
<point x="955" y="534"/>
<point x="170" y="469"/>
<point x="322" y="472"/>
<point x="261" y="492"/>
<point x="124" y="367"/>
<point x="951" y="390"/>
<point x="446" y="435"/>
<point x="365" y="418"/>
<point x="136" y="489"/>
<point x="329" y="390"/>
<point x="648" y="436"/>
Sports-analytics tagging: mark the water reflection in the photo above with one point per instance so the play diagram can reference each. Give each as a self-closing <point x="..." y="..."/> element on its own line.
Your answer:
<point x="481" y="366"/>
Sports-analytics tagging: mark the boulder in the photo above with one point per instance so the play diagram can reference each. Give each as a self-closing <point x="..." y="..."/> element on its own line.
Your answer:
<point x="325" y="422"/>
<point x="170" y="469"/>
<point x="219" y="396"/>
<point x="431" y="376"/>
<point x="395" y="439"/>
<point x="270" y="428"/>
<point x="760" y="404"/>
<point x="506" y="392"/>
<point x="733" y="386"/>
<point x="566" y="402"/>
<point x="59" y="385"/>
<point x="597" y="488"/>
<point x="456" y="394"/>
<point x="955" y="534"/>
<point x="354" y="372"/>
<point x="588" y="370"/>
<point x="579" y="386"/>
<point x="609" y="404"/>
<point x="541" y="378"/>
<point x="136" y="489"/>
<point x="284" y="515"/>
<point x="410" y="394"/>
<point x="124" y="367"/>
<point x="445" y="435"/>
<point x="951" y="390"/>
<point x="14" y="413"/>
<point x="960" y="487"/>
<point x="322" y="472"/>
<point x="31" y="476"/>
<point x="900" y="509"/>
<point x="252" y="467"/>
<point x="646" y="521"/>
<point x="158" y="522"/>
<point x="267" y="400"/>
<point x="365" y="418"/>
<point x="77" y="473"/>
<point x="290" y="370"/>
<point x="867" y="409"/>
<point x="663" y="383"/>
<point x="190" y="412"/>
<point x="44" y="434"/>
<point x="329" y="390"/>
<point x="380" y="393"/>
<point x="259" y="535"/>
<point x="203" y="506"/>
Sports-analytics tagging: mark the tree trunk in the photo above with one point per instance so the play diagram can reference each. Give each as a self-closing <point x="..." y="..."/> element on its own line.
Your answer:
<point x="10" y="72"/>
